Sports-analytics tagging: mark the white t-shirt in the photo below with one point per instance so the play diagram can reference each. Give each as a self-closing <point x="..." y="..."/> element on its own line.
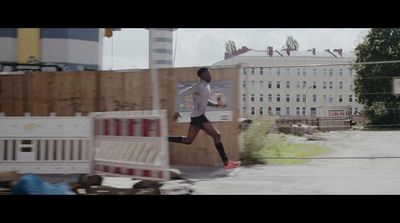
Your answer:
<point x="201" y="92"/>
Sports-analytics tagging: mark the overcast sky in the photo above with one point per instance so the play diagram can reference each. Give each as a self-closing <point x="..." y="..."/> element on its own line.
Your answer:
<point x="128" y="48"/>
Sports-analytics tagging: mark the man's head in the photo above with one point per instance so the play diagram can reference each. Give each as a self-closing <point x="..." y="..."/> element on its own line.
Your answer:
<point x="204" y="74"/>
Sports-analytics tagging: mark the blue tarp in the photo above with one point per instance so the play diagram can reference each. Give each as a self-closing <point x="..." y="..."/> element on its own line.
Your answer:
<point x="30" y="184"/>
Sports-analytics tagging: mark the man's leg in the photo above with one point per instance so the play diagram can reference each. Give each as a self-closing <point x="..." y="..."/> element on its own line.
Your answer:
<point x="213" y="132"/>
<point x="192" y="133"/>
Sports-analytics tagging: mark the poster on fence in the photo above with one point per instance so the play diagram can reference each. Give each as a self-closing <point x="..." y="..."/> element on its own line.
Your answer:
<point x="222" y="89"/>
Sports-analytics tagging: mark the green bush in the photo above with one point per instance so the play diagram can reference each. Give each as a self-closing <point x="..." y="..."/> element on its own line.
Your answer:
<point x="262" y="140"/>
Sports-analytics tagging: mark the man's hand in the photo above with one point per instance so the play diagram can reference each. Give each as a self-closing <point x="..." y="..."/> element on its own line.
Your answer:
<point x="221" y="102"/>
<point x="176" y="116"/>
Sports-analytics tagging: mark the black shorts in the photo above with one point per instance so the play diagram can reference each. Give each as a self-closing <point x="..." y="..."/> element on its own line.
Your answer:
<point x="198" y="121"/>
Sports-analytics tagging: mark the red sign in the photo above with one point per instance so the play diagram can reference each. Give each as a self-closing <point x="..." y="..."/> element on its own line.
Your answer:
<point x="336" y="113"/>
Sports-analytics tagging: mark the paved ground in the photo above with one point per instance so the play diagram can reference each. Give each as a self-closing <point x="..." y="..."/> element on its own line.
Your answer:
<point x="325" y="176"/>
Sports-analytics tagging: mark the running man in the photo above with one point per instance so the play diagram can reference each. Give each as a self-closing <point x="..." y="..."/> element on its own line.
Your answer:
<point x="201" y="92"/>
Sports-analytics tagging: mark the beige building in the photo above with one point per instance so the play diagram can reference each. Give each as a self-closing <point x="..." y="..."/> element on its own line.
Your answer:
<point x="294" y="83"/>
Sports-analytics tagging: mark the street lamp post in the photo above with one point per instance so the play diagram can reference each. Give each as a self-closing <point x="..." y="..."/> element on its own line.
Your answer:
<point x="305" y="102"/>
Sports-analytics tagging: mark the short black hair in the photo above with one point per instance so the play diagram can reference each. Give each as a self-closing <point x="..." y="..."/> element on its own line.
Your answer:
<point x="201" y="70"/>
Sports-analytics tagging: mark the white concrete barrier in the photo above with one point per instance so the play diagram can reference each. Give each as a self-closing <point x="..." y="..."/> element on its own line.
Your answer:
<point x="45" y="144"/>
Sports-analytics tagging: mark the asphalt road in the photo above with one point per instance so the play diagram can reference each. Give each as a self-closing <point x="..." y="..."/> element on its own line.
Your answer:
<point x="319" y="176"/>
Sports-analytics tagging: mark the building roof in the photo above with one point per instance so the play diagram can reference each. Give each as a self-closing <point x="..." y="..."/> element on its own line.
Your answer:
<point x="263" y="54"/>
<point x="259" y="53"/>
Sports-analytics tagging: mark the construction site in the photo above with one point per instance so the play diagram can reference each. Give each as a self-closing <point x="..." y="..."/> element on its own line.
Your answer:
<point x="68" y="127"/>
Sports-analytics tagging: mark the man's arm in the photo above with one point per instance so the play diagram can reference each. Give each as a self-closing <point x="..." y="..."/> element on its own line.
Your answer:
<point x="183" y="93"/>
<point x="217" y="104"/>
<point x="211" y="103"/>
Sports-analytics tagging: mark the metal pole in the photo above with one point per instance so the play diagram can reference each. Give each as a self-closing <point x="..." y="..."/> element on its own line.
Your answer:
<point x="154" y="76"/>
<point x="154" y="88"/>
<point x="305" y="102"/>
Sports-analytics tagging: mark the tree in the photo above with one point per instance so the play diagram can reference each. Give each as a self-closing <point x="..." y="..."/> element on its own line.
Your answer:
<point x="373" y="83"/>
<point x="291" y="44"/>
<point x="230" y="47"/>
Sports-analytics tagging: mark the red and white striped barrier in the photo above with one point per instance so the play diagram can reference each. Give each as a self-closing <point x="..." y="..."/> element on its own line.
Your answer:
<point x="131" y="144"/>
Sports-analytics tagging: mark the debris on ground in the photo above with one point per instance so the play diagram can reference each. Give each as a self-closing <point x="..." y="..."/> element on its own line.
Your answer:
<point x="298" y="129"/>
<point x="176" y="187"/>
<point x="94" y="184"/>
<point x="31" y="184"/>
<point x="316" y="138"/>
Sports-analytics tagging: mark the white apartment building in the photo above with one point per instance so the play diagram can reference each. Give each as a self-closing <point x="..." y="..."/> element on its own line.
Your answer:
<point x="279" y="84"/>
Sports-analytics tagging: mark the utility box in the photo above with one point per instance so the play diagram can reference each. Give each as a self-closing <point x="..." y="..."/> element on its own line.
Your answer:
<point x="334" y="117"/>
<point x="339" y="112"/>
<point x="396" y="86"/>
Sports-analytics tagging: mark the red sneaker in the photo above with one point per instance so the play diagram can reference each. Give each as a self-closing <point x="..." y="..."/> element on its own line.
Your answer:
<point x="231" y="165"/>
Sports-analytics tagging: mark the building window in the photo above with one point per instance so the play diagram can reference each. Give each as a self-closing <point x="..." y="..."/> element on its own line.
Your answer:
<point x="313" y="111"/>
<point x="355" y="99"/>
<point x="314" y="98"/>
<point x="304" y="84"/>
<point x="261" y="111"/>
<point x="351" y="87"/>
<point x="261" y="71"/>
<point x="341" y="72"/>
<point x="350" y="72"/>
<point x="269" y="70"/>
<point x="304" y="98"/>
<point x="253" y="70"/>
<point x="330" y="85"/>
<point x="269" y="84"/>
<point x="304" y="72"/>
<point x="269" y="111"/>
<point x="355" y="110"/>
<point x="350" y="98"/>
<point x="287" y="98"/>
<point x="278" y="71"/>
<point x="340" y="85"/>
<point x="278" y="98"/>
<point x="324" y="72"/>
<point x="252" y="110"/>
<point x="297" y="111"/>
<point x="314" y="72"/>
<point x="261" y="97"/>
<point x="325" y="99"/>
<point x="287" y="84"/>
<point x="261" y="84"/>
<point x="278" y="111"/>
<point x="269" y="97"/>
<point x="278" y="84"/>
<point x="244" y="109"/>
<point x="244" y="71"/>
<point x="252" y="97"/>
<point x="244" y="97"/>
<point x="253" y="83"/>
<point x="287" y="111"/>
<point x="298" y="84"/>
<point x="330" y="99"/>
<point x="314" y="85"/>
<point x="330" y="72"/>
<point x="303" y="110"/>
<point x="324" y="85"/>
<point x="244" y="84"/>
<point x="297" y="98"/>
<point x="288" y="71"/>
<point x="340" y="98"/>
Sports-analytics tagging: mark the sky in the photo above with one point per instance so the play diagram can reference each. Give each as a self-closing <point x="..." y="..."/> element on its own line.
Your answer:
<point x="128" y="48"/>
